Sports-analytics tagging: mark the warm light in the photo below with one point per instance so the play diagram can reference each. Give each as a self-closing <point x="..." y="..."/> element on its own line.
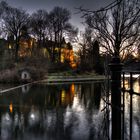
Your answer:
<point x="10" y="47"/>
<point x="136" y="86"/>
<point x="26" y="46"/>
<point x="67" y="54"/>
<point x="72" y="88"/>
<point x="11" y="107"/>
<point x="63" y="95"/>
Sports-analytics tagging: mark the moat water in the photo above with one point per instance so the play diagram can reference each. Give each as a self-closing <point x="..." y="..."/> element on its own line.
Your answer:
<point x="62" y="112"/>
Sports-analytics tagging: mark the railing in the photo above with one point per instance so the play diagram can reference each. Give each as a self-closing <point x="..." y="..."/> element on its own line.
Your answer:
<point x="131" y="92"/>
<point x="110" y="105"/>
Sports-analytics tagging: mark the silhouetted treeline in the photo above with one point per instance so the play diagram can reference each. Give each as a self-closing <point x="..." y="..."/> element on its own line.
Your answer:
<point x="39" y="34"/>
<point x="114" y="32"/>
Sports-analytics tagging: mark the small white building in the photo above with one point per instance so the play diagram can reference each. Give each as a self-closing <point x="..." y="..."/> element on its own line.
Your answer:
<point x="25" y="75"/>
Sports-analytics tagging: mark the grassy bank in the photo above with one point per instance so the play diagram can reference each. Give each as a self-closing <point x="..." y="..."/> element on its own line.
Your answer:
<point x="72" y="77"/>
<point x="13" y="76"/>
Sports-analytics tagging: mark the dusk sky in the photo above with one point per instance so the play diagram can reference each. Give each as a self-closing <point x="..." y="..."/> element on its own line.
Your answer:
<point x="33" y="5"/>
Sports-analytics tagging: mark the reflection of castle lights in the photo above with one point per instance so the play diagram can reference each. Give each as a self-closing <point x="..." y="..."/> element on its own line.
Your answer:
<point x="63" y="95"/>
<point x="72" y="88"/>
<point x="11" y="107"/>
<point x="136" y="86"/>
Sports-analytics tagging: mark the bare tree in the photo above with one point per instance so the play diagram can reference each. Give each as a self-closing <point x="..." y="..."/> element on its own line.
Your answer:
<point x="89" y="52"/>
<point x="3" y="7"/>
<point x="14" y="19"/>
<point x="38" y="24"/>
<point x="39" y="29"/>
<point x="85" y="45"/>
<point x="117" y="27"/>
<point x="60" y="27"/>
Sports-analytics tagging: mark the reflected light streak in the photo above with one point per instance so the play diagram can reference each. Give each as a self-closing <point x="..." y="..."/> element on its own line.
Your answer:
<point x="136" y="87"/>
<point x="126" y="84"/>
<point x="72" y="88"/>
<point x="63" y="96"/>
<point x="11" y="107"/>
<point x="32" y="116"/>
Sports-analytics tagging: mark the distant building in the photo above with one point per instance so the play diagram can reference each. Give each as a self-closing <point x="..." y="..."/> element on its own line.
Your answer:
<point x="28" y="44"/>
<point x="5" y="54"/>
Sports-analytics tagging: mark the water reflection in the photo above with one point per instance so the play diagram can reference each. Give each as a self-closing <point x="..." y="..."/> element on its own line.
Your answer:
<point x="25" y="88"/>
<point x="132" y="112"/>
<point x="6" y="125"/>
<point x="11" y="107"/>
<point x="60" y="112"/>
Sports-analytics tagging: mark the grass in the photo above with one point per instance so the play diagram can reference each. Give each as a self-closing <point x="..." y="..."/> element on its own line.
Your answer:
<point x="72" y="73"/>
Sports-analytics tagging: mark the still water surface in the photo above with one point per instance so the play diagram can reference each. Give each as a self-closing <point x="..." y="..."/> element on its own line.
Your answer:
<point x="60" y="112"/>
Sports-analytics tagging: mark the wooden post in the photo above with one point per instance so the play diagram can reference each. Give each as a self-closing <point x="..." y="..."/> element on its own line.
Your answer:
<point x="116" y="68"/>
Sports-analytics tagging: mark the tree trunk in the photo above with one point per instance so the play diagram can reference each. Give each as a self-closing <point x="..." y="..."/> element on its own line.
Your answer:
<point x="16" y="50"/>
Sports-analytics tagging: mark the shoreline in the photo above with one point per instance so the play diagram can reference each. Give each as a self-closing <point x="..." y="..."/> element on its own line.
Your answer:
<point x="61" y="79"/>
<point x="57" y="80"/>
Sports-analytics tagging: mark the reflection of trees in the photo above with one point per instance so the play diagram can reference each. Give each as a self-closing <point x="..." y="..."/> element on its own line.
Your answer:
<point x="37" y="102"/>
<point x="91" y="95"/>
<point x="43" y="113"/>
<point x="40" y="96"/>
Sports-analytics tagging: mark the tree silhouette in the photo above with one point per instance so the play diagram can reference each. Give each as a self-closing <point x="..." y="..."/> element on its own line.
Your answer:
<point x="117" y="27"/>
<point x="38" y="25"/>
<point x="60" y="27"/>
<point x="89" y="52"/>
<point x="14" y="19"/>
